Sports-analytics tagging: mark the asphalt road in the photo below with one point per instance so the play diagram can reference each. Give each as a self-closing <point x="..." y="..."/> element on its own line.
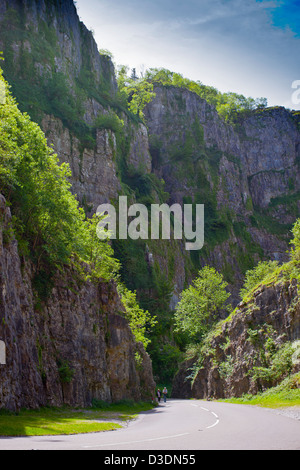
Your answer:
<point x="182" y="425"/>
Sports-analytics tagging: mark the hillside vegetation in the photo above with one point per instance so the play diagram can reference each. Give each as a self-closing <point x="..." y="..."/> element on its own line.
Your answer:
<point x="51" y="229"/>
<point x="256" y="347"/>
<point x="158" y="138"/>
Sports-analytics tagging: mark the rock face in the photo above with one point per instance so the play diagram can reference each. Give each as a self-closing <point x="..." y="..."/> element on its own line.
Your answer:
<point x="246" y="167"/>
<point x="78" y="86"/>
<point x="273" y="315"/>
<point x="71" y="44"/>
<point x="74" y="348"/>
<point x="94" y="174"/>
<point x="246" y="175"/>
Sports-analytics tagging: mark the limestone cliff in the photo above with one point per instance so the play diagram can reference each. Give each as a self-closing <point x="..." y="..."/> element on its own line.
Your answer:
<point x="71" y="349"/>
<point x="62" y="80"/>
<point x="243" y="343"/>
<point x="246" y="175"/>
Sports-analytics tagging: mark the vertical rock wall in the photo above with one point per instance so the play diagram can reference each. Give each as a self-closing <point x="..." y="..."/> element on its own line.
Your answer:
<point x="71" y="349"/>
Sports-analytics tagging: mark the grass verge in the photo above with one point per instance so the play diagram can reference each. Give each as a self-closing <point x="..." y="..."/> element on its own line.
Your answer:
<point x="285" y="394"/>
<point x="62" y="421"/>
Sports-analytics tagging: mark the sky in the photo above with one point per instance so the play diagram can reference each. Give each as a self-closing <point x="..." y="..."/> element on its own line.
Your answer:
<point x="250" y="47"/>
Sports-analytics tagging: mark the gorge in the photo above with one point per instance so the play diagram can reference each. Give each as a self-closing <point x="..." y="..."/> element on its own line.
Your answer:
<point x="246" y="173"/>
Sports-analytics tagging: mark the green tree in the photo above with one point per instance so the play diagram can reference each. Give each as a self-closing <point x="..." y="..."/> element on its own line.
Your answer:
<point x="138" y="92"/>
<point x="140" y="321"/>
<point x="229" y="105"/>
<point x="200" y="303"/>
<point x="256" y="275"/>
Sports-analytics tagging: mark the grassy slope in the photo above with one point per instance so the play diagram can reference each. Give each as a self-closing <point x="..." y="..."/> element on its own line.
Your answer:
<point x="285" y="394"/>
<point x="58" y="421"/>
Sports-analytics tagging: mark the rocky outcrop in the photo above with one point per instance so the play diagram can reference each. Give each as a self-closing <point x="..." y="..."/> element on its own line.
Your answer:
<point x="246" y="175"/>
<point x="71" y="46"/>
<point x="94" y="174"/>
<point x="257" y="159"/>
<point x="72" y="348"/>
<point x="241" y="344"/>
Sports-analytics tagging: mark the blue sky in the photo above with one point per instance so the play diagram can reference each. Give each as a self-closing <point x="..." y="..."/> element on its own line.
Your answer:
<point x="246" y="46"/>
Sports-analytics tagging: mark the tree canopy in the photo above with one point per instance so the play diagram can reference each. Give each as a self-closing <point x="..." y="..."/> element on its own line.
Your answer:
<point x="229" y="105"/>
<point x="200" y="303"/>
<point x="134" y="92"/>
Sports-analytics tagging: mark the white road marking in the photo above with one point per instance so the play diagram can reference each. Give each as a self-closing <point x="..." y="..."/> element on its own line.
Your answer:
<point x="215" y="415"/>
<point x="157" y="438"/>
<point x="215" y="424"/>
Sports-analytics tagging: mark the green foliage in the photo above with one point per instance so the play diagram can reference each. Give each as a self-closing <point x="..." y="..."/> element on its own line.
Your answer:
<point x="166" y="358"/>
<point x="279" y="365"/>
<point x="65" y="372"/>
<point x="295" y="251"/>
<point x="287" y="393"/>
<point x="256" y="275"/>
<point x="139" y="320"/>
<point x="200" y="303"/>
<point x="134" y="270"/>
<point x="136" y="92"/>
<point x="106" y="53"/>
<point x="226" y="368"/>
<point x="46" y="214"/>
<point x="109" y="121"/>
<point x="229" y="105"/>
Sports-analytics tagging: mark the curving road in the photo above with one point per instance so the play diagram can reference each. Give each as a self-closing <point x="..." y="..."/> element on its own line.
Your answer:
<point x="182" y="425"/>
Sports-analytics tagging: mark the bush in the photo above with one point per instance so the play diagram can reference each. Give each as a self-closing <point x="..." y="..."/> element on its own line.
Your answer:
<point x="139" y="320"/>
<point x="256" y="275"/>
<point x="295" y="252"/>
<point x="281" y="364"/>
<point x="109" y="121"/>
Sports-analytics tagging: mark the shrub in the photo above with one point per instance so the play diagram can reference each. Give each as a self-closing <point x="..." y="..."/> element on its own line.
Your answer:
<point x="139" y="320"/>
<point x="256" y="275"/>
<point x="109" y="121"/>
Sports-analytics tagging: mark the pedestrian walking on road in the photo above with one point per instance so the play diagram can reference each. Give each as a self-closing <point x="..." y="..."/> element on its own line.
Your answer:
<point x="158" y="395"/>
<point x="165" y="393"/>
